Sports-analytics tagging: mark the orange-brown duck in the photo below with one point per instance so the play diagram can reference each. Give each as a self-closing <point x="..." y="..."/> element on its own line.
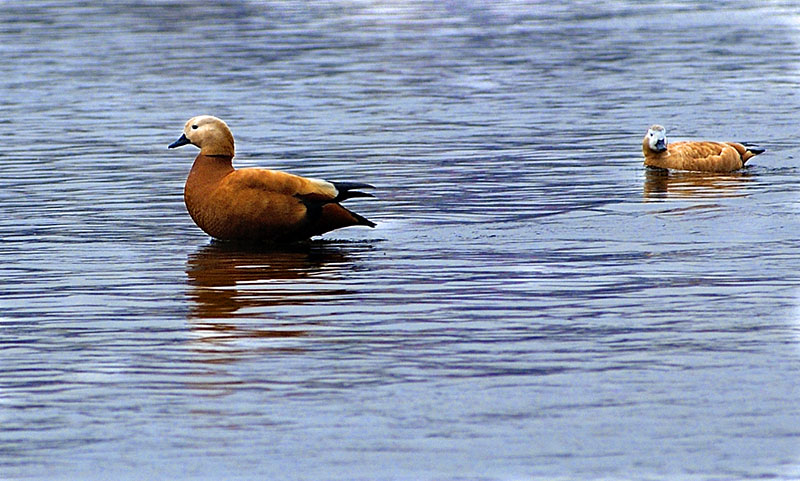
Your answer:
<point x="696" y="156"/>
<point x="258" y="205"/>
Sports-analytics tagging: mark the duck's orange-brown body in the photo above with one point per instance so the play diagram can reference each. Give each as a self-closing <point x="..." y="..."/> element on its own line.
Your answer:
<point x="700" y="156"/>
<point x="260" y="205"/>
<point x="695" y="156"/>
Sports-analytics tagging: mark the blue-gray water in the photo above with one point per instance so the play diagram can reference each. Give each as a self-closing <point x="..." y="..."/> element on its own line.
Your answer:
<point x="532" y="305"/>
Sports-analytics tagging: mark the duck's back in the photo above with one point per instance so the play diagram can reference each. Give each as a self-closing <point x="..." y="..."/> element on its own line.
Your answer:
<point x="707" y="156"/>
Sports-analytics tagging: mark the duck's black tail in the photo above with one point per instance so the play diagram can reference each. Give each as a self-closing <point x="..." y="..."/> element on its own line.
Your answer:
<point x="346" y="191"/>
<point x="751" y="152"/>
<point x="361" y="219"/>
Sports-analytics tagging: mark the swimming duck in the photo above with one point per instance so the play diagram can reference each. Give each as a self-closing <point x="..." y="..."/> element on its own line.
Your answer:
<point x="258" y="205"/>
<point x="697" y="156"/>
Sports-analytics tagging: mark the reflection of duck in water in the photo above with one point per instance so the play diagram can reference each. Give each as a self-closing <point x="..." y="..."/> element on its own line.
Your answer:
<point x="239" y="295"/>
<point x="694" y="156"/>
<point x="661" y="183"/>
<point x="227" y="282"/>
<point x="239" y="302"/>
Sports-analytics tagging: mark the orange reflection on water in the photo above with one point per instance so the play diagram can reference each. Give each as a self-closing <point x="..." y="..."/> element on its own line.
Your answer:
<point x="661" y="184"/>
<point x="229" y="282"/>
<point x="239" y="297"/>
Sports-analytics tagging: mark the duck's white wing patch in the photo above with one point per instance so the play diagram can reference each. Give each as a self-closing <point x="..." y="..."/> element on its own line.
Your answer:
<point x="324" y="187"/>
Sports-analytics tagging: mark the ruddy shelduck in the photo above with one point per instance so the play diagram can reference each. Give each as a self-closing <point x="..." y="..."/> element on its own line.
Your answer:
<point x="696" y="156"/>
<point x="258" y="205"/>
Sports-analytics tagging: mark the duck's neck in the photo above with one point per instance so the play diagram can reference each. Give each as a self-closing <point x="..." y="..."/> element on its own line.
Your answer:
<point x="653" y="158"/>
<point x="207" y="170"/>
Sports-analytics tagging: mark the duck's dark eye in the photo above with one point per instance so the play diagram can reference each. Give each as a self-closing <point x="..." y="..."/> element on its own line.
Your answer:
<point x="194" y="127"/>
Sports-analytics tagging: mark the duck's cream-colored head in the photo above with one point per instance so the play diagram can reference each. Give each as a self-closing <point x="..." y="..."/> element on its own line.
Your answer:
<point x="656" y="139"/>
<point x="209" y="133"/>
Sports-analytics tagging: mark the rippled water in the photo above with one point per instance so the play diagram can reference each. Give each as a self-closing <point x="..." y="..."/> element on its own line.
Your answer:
<point x="533" y="304"/>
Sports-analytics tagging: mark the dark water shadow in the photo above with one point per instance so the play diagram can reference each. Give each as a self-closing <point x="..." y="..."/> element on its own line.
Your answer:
<point x="240" y="292"/>
<point x="230" y="281"/>
<point x="662" y="184"/>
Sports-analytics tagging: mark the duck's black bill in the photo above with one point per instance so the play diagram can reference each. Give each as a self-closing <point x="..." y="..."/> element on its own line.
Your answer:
<point x="181" y="141"/>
